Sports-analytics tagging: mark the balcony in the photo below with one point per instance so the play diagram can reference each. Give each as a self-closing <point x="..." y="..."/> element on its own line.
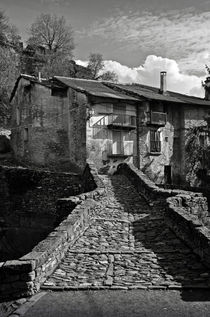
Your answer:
<point x="157" y="118"/>
<point x="118" y="121"/>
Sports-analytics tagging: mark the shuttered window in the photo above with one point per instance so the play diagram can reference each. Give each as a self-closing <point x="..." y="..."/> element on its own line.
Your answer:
<point x="155" y="142"/>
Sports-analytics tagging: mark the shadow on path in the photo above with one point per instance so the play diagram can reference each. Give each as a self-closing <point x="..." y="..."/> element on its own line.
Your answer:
<point x="165" y="260"/>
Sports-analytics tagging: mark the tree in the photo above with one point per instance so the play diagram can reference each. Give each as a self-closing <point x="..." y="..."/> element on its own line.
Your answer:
<point x="3" y="28"/>
<point x="8" y="33"/>
<point x="197" y="154"/>
<point x="9" y="64"/>
<point x="53" y="33"/>
<point x="52" y="43"/>
<point x="96" y="66"/>
<point x="109" y="76"/>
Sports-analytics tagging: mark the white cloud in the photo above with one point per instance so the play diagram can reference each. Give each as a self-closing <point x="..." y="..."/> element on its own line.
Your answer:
<point x="82" y="63"/>
<point x="181" y="35"/>
<point x="149" y="74"/>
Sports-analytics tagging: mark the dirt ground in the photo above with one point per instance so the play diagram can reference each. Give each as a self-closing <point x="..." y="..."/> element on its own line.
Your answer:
<point x="141" y="303"/>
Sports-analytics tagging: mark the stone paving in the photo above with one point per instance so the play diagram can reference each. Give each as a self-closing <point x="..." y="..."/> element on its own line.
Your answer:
<point x="128" y="246"/>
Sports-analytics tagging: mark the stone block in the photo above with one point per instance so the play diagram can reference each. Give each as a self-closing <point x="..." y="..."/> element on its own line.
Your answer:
<point x="15" y="266"/>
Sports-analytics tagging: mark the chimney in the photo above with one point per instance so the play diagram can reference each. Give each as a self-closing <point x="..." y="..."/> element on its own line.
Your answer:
<point x="39" y="77"/>
<point x="163" y="88"/>
<point x="207" y="88"/>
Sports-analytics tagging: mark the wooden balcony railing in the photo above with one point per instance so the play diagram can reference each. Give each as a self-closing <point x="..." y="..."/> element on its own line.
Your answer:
<point x="116" y="120"/>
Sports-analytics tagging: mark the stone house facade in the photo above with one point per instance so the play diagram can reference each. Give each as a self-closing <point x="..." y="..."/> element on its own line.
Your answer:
<point x="69" y="120"/>
<point x="163" y="121"/>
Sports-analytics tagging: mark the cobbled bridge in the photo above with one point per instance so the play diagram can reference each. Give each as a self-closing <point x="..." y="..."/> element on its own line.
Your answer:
<point x="128" y="246"/>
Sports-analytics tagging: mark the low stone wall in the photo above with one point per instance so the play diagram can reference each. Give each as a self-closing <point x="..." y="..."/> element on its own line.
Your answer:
<point x="186" y="213"/>
<point x="35" y="191"/>
<point x="194" y="203"/>
<point x="204" y="190"/>
<point x="23" y="277"/>
<point x="93" y="188"/>
<point x="188" y="228"/>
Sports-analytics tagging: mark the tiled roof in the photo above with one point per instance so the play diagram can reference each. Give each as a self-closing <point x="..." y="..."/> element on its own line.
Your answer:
<point x="152" y="93"/>
<point x="93" y="88"/>
<point x="127" y="92"/>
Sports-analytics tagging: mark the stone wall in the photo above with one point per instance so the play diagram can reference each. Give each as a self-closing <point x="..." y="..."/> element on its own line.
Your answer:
<point x="204" y="190"/>
<point x="35" y="191"/>
<point x="23" y="277"/>
<point x="153" y="193"/>
<point x="40" y="125"/>
<point x="186" y="213"/>
<point x="189" y="228"/>
<point x="28" y="206"/>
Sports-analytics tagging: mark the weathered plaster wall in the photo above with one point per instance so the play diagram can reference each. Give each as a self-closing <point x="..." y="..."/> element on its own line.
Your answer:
<point x="153" y="163"/>
<point x="173" y="140"/>
<point x="101" y="141"/>
<point x="40" y="125"/>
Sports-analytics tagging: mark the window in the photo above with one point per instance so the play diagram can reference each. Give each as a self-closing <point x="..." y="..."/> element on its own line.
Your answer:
<point x="25" y="134"/>
<point x="117" y="147"/>
<point x="204" y="139"/>
<point x="167" y="174"/>
<point x="119" y="109"/>
<point x="58" y="92"/>
<point x="155" y="142"/>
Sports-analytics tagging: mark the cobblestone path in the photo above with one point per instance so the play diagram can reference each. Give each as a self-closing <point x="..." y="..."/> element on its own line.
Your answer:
<point x="128" y="246"/>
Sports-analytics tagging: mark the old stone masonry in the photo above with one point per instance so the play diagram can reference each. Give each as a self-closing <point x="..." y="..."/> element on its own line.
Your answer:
<point x="128" y="246"/>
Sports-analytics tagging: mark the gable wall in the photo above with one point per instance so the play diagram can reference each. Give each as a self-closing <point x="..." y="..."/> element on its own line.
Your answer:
<point x="45" y="117"/>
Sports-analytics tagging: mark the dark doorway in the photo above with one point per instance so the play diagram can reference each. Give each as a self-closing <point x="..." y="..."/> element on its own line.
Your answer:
<point x="167" y="174"/>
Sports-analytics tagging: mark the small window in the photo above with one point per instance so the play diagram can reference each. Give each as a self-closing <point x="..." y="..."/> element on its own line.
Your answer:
<point x="155" y="142"/>
<point x="119" y="109"/>
<point x="25" y="134"/>
<point x="167" y="174"/>
<point x="204" y="139"/>
<point x="59" y="92"/>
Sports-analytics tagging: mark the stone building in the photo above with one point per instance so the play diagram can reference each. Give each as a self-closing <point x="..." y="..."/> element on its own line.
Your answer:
<point x="163" y="121"/>
<point x="69" y="120"/>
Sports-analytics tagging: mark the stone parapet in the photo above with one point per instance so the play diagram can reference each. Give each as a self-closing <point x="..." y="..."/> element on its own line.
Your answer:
<point x="186" y="213"/>
<point x="23" y="277"/>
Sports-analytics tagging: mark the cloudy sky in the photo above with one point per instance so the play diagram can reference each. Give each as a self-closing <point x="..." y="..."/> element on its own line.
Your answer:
<point x="138" y="38"/>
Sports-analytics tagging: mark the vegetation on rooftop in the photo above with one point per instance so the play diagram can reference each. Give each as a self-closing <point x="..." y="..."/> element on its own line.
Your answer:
<point x="49" y="50"/>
